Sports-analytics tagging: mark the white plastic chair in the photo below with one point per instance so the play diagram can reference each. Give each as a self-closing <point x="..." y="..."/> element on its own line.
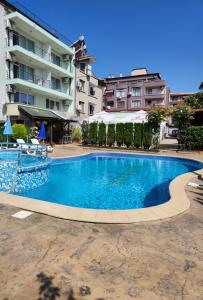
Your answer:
<point x="36" y="142"/>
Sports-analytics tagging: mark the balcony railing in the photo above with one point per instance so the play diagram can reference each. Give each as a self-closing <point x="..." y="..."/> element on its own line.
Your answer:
<point x="42" y="23"/>
<point x="38" y="51"/>
<point x="30" y="77"/>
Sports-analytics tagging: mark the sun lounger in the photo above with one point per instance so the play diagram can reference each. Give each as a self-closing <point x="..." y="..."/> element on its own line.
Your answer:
<point x="36" y="142"/>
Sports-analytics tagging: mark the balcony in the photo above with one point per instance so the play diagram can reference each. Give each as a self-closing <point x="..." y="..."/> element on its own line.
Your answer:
<point x="29" y="83"/>
<point x="42" y="34"/>
<point x="38" y="56"/>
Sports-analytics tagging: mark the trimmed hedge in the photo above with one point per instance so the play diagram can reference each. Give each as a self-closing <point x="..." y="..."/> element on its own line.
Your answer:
<point x="85" y="133"/>
<point x="194" y="138"/>
<point x="93" y="133"/>
<point x="128" y="134"/>
<point x="102" y="134"/>
<point x="111" y="135"/>
<point x="120" y="134"/>
<point x="147" y="136"/>
<point x="138" y="133"/>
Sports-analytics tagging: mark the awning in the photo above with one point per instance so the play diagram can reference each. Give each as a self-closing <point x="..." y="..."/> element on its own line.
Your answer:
<point x="40" y="113"/>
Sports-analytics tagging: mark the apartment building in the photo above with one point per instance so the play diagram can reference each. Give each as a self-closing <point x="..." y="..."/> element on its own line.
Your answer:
<point x="88" y="87"/>
<point x="138" y="91"/>
<point x="37" y="78"/>
<point x="178" y="98"/>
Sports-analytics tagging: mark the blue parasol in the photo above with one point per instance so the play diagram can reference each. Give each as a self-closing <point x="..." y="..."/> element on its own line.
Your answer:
<point x="42" y="132"/>
<point x="7" y="129"/>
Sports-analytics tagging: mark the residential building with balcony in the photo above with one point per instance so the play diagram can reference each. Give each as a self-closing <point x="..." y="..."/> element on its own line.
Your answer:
<point x="140" y="90"/>
<point x="37" y="80"/>
<point x="178" y="98"/>
<point x="88" y="87"/>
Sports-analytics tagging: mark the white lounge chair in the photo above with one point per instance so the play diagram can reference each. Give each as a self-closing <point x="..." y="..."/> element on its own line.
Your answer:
<point x="36" y="142"/>
<point x="23" y="146"/>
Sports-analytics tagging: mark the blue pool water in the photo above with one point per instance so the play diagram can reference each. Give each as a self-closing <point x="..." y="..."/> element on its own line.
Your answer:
<point x="111" y="181"/>
<point x="25" y="160"/>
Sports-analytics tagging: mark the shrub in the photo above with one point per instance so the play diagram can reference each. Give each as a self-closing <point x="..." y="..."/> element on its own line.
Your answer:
<point x="111" y="135"/>
<point x="85" y="133"/>
<point x="76" y="135"/>
<point x="3" y="138"/>
<point x="128" y="134"/>
<point x="119" y="134"/>
<point x="194" y="138"/>
<point x="102" y="134"/>
<point x="93" y="133"/>
<point x="147" y="136"/>
<point x="137" y="138"/>
<point x="19" y="131"/>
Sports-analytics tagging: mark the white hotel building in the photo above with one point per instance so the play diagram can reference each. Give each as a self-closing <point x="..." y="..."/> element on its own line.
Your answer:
<point x="37" y="74"/>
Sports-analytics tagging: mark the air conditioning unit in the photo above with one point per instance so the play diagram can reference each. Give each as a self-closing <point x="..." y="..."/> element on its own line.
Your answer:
<point x="65" y="80"/>
<point x="108" y="107"/>
<point x="119" y="98"/>
<point x="66" y="57"/>
<point x="66" y="102"/>
<point x="11" y="88"/>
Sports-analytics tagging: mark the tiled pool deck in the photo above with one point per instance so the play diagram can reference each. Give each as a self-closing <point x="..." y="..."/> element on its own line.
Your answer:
<point x="177" y="204"/>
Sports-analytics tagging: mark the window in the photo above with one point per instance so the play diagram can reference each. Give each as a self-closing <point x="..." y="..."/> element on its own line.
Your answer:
<point x="54" y="105"/>
<point x="82" y="67"/>
<point x="136" y="103"/>
<point x="155" y="91"/>
<point x="91" y="109"/>
<point x="24" y="42"/>
<point x="55" y="59"/>
<point x="121" y="104"/>
<point x="81" y="85"/>
<point x="57" y="105"/>
<point x="55" y="83"/>
<point x="121" y="93"/>
<point x="91" y="90"/>
<point x="82" y="106"/>
<point x="51" y="104"/>
<point x="23" y="98"/>
<point x="24" y="72"/>
<point x="136" y="91"/>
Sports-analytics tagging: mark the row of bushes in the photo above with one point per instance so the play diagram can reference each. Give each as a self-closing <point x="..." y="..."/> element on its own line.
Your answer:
<point x="19" y="131"/>
<point x="193" y="138"/>
<point x="128" y="134"/>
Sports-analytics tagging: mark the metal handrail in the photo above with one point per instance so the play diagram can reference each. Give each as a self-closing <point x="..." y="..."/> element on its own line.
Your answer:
<point x="38" y="51"/>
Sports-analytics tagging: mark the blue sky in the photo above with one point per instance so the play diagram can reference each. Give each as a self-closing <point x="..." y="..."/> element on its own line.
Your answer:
<point x="166" y="36"/>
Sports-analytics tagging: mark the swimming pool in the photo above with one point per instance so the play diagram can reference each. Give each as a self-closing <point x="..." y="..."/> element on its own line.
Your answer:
<point x="110" y="181"/>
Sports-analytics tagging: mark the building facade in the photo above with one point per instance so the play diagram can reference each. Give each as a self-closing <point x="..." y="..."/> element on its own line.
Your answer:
<point x="88" y="87"/>
<point x="178" y="98"/>
<point x="138" y="91"/>
<point x="37" y="72"/>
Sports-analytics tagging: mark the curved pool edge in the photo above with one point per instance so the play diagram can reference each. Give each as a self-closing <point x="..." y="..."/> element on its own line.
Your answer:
<point x="177" y="204"/>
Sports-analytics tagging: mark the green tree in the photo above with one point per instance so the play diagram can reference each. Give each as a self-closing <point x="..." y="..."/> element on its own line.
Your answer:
<point x="201" y="86"/>
<point x="85" y="133"/>
<point x="111" y="135"/>
<point x="93" y="133"/>
<point x="137" y="137"/>
<point x="195" y="100"/>
<point x="182" y="116"/>
<point x="102" y="134"/>
<point x="128" y="134"/>
<point x="19" y="131"/>
<point x="119" y="134"/>
<point x="155" y="116"/>
<point x="76" y="135"/>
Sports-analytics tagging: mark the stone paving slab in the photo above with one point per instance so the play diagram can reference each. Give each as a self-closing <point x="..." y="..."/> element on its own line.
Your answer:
<point x="153" y="260"/>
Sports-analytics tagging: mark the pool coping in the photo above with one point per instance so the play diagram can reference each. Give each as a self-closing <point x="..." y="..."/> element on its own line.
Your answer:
<point x="177" y="204"/>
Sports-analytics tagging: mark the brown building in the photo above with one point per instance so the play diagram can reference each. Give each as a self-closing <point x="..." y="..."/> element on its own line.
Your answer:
<point x="135" y="92"/>
<point x="178" y="98"/>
